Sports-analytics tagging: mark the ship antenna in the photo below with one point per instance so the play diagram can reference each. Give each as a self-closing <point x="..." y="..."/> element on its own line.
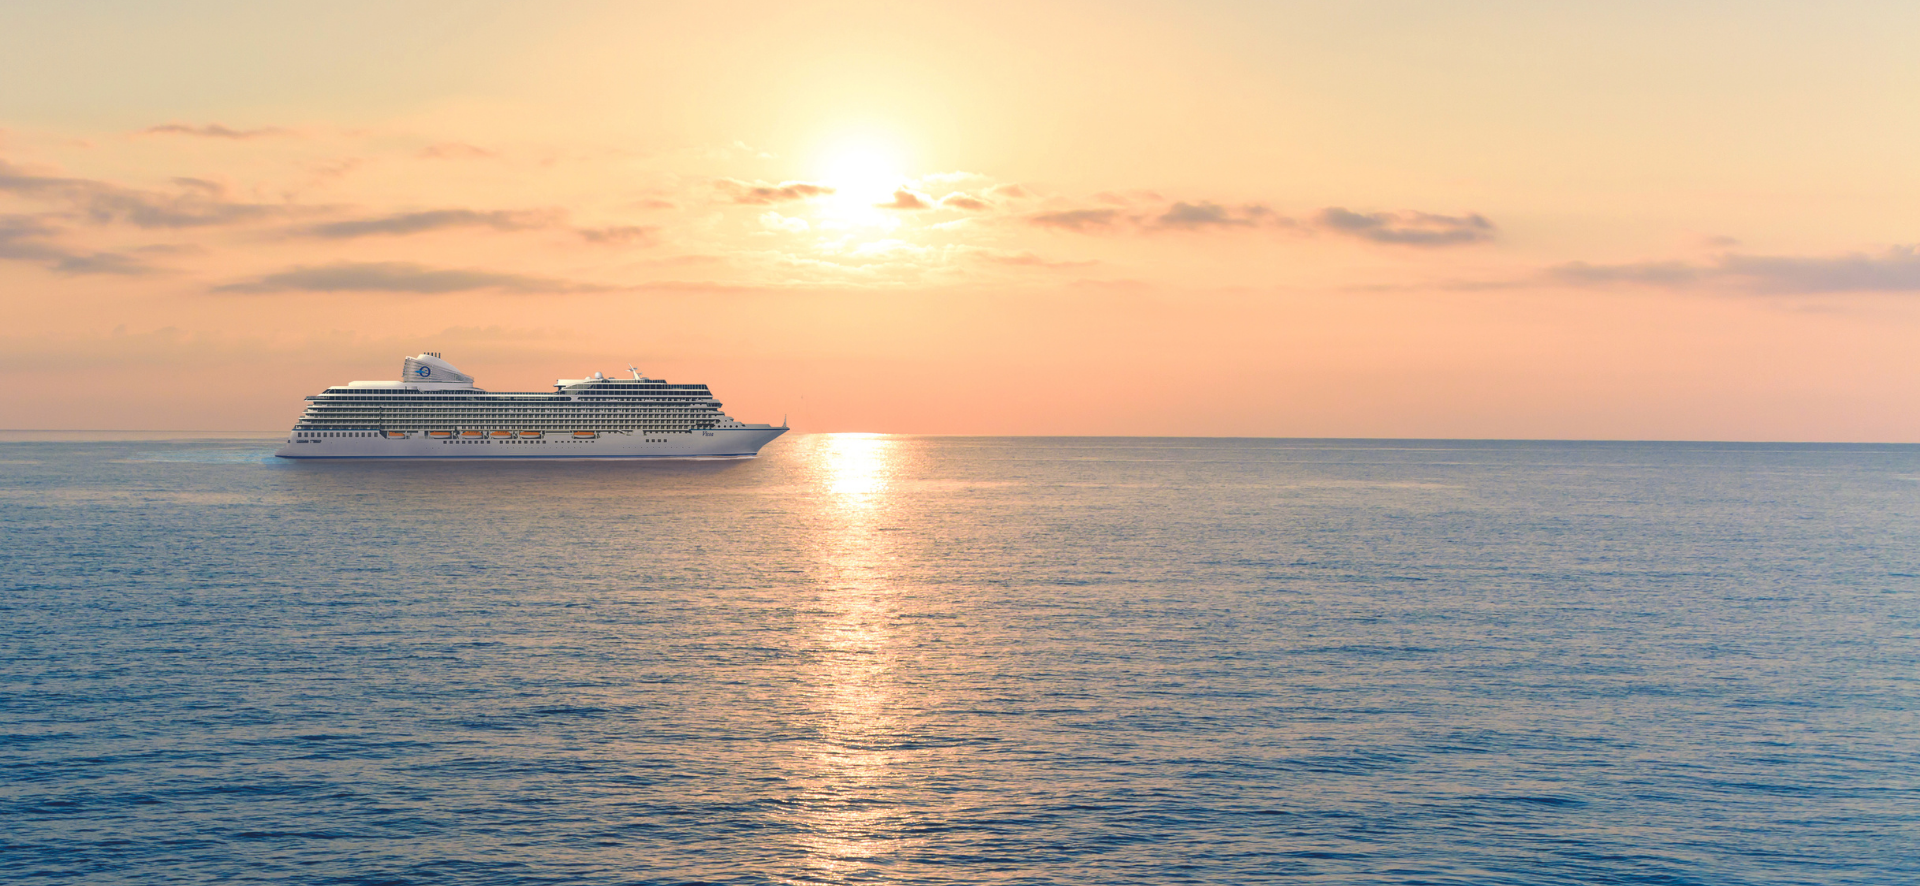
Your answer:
<point x="636" y="372"/>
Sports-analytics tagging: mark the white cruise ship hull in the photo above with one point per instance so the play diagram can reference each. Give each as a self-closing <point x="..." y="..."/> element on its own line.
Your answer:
<point x="716" y="443"/>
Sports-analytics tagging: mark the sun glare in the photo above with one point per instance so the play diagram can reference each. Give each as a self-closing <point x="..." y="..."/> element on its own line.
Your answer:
<point x="863" y="174"/>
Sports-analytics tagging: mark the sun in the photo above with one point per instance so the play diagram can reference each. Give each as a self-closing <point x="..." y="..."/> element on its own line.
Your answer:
<point x="862" y="174"/>
<point x="865" y="175"/>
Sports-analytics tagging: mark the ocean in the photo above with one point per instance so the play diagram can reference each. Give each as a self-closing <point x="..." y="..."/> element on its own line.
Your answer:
<point x="879" y="659"/>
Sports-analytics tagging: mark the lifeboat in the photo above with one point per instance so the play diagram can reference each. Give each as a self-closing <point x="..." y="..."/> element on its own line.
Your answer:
<point x="588" y="435"/>
<point x="396" y="435"/>
<point x="473" y="433"/>
<point x="502" y="433"/>
<point x="440" y="434"/>
<point x="529" y="433"/>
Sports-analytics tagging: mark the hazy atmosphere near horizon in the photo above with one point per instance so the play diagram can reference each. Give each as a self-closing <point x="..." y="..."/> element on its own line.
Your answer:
<point x="1491" y="220"/>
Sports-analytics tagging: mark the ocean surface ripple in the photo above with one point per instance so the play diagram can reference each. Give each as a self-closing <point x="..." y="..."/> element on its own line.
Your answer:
<point x="872" y="659"/>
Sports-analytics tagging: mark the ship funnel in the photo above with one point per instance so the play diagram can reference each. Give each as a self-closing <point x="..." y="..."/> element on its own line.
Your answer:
<point x="429" y="369"/>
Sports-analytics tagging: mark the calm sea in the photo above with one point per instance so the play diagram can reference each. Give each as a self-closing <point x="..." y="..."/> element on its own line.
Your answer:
<point x="869" y="659"/>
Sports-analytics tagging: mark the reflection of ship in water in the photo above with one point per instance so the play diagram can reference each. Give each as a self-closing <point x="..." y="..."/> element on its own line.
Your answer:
<point x="434" y="411"/>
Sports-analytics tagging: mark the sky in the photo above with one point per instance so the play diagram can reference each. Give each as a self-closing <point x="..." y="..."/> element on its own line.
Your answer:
<point x="1631" y="220"/>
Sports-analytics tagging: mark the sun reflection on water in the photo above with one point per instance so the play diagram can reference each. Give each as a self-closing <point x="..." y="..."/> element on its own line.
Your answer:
<point x="854" y="804"/>
<point x="856" y="464"/>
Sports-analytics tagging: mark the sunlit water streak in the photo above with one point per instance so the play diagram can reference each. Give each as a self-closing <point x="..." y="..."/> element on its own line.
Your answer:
<point x="878" y="659"/>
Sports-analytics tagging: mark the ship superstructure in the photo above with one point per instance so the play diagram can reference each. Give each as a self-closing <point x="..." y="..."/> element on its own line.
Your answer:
<point x="435" y="411"/>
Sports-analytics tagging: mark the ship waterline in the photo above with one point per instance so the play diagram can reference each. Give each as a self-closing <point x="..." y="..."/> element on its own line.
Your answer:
<point x="435" y="411"/>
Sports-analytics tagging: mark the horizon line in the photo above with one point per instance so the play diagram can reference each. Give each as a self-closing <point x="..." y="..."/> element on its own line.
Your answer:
<point x="238" y="434"/>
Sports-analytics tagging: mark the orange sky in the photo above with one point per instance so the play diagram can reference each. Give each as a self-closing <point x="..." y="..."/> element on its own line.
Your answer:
<point x="1249" y="219"/>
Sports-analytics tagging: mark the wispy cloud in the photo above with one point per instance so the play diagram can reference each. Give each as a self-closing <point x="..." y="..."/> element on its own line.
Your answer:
<point x="25" y="239"/>
<point x="433" y="220"/>
<point x="1147" y="212"/>
<point x="1408" y="228"/>
<point x="401" y="277"/>
<point x="212" y="189"/>
<point x="627" y="234"/>
<point x="16" y="227"/>
<point x="173" y="347"/>
<point x="772" y="220"/>
<point x="198" y="202"/>
<point x="962" y="200"/>
<point x="404" y="223"/>
<point x="1895" y="270"/>
<point x="906" y="200"/>
<point x="762" y="193"/>
<point x="1647" y="273"/>
<point x="1204" y="215"/>
<point x="212" y="130"/>
<point x="738" y="149"/>
<point x="1077" y="219"/>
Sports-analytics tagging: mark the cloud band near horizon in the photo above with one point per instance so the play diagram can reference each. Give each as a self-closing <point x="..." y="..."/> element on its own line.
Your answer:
<point x="400" y="277"/>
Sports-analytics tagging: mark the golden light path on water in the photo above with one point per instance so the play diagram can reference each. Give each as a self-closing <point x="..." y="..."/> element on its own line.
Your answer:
<point x="848" y="820"/>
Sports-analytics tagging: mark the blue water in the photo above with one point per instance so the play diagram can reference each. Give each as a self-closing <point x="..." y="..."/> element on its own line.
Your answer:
<point x="937" y="660"/>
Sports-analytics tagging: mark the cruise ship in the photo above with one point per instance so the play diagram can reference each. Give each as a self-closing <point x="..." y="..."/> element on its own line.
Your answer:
<point x="436" y="412"/>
